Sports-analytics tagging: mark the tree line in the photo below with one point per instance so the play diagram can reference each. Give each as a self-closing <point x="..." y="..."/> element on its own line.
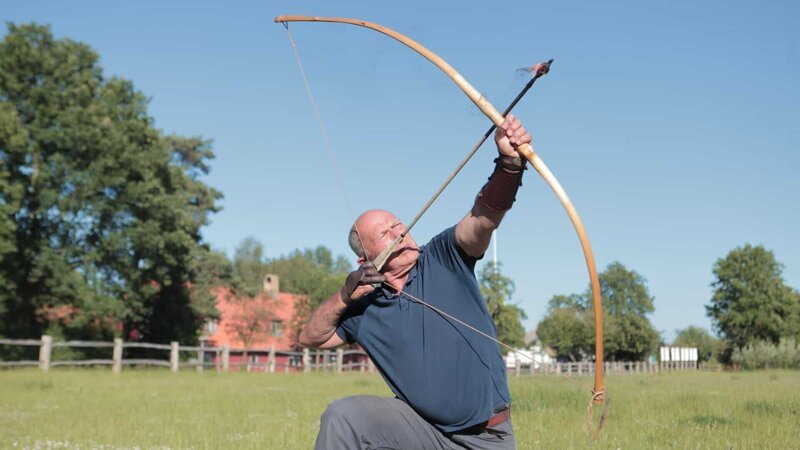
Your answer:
<point x="753" y="311"/>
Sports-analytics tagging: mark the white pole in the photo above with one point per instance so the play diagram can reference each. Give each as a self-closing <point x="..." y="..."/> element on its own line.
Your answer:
<point x="494" y="248"/>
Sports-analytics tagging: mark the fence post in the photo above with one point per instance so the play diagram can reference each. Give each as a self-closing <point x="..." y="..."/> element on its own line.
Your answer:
<point x="226" y="358"/>
<point x="517" y="367"/>
<point x="173" y="356"/>
<point x="45" y="350"/>
<point x="326" y="356"/>
<point x="117" y="356"/>
<point x="306" y="360"/>
<point x="201" y="356"/>
<point x="271" y="359"/>
<point x="370" y="364"/>
<point x="339" y="360"/>
<point x="558" y="368"/>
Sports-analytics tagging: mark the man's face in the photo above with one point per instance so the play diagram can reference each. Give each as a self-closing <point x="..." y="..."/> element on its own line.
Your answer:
<point x="378" y="229"/>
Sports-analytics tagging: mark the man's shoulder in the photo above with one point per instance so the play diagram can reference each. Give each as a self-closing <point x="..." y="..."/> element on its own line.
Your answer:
<point x="444" y="248"/>
<point x="446" y="236"/>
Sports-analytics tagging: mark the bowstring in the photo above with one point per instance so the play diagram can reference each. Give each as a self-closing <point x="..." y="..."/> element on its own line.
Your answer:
<point x="326" y="141"/>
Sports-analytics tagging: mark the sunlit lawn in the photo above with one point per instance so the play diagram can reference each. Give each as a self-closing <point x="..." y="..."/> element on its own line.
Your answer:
<point x="158" y="409"/>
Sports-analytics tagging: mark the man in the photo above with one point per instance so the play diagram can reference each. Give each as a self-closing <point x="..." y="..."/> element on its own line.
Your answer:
<point x="449" y="381"/>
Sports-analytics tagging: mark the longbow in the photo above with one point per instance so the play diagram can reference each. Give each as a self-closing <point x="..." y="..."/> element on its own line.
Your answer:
<point x="599" y="391"/>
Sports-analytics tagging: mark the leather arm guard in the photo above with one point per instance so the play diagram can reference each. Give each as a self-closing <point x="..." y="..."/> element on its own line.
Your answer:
<point x="500" y="192"/>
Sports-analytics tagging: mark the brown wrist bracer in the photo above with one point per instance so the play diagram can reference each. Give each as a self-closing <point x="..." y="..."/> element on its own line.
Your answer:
<point x="500" y="192"/>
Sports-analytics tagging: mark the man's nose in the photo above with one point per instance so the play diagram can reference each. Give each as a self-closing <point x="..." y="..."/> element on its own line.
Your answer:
<point x="397" y="231"/>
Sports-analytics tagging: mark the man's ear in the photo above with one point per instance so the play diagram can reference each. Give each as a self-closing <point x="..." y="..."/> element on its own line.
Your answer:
<point x="361" y="260"/>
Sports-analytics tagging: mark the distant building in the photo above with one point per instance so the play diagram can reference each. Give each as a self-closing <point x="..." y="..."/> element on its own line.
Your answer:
<point x="273" y="311"/>
<point x="534" y="354"/>
<point x="276" y="331"/>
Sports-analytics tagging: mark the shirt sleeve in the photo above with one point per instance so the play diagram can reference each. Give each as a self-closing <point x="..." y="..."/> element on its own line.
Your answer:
<point x="347" y="329"/>
<point x="444" y="248"/>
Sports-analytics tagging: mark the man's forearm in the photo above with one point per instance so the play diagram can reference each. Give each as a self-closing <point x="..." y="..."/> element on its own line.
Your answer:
<point x="474" y="231"/>
<point x="323" y="321"/>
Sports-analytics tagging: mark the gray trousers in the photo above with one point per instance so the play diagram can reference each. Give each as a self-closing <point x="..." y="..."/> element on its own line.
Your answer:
<point x="369" y="422"/>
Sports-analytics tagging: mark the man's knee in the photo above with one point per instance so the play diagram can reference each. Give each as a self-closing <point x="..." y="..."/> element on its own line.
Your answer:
<point x="341" y="410"/>
<point x="340" y="424"/>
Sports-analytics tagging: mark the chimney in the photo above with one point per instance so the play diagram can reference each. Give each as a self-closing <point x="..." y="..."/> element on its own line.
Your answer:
<point x="271" y="285"/>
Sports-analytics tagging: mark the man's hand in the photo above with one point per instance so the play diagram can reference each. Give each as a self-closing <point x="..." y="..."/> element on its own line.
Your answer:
<point x="509" y="135"/>
<point x="359" y="282"/>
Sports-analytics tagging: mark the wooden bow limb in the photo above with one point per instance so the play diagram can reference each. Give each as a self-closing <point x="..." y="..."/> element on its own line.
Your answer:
<point x="525" y="150"/>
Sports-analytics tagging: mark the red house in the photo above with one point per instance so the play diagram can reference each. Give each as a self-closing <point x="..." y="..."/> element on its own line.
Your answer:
<point x="257" y="324"/>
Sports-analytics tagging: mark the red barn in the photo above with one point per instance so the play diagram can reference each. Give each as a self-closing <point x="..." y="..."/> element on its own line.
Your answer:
<point x="255" y="324"/>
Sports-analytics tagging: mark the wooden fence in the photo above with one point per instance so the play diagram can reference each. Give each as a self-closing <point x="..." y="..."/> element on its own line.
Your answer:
<point x="199" y="358"/>
<point x="609" y="367"/>
<point x="219" y="359"/>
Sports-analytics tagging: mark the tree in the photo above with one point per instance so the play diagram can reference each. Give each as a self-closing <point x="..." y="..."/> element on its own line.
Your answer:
<point x="251" y="321"/>
<point x="624" y="292"/>
<point x="311" y="272"/>
<point x="628" y="334"/>
<point x="497" y="289"/>
<point x="751" y="301"/>
<point x="566" y="331"/>
<point x="100" y="213"/>
<point x="628" y="337"/>
<point x="692" y="336"/>
<point x="249" y="266"/>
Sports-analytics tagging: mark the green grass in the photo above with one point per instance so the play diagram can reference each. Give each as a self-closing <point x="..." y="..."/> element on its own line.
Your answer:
<point x="158" y="409"/>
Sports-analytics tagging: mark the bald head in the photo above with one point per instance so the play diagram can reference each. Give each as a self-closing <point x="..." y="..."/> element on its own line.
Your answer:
<point x="374" y="231"/>
<point x="365" y="224"/>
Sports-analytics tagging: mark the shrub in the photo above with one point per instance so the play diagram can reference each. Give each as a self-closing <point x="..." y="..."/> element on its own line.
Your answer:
<point x="765" y="355"/>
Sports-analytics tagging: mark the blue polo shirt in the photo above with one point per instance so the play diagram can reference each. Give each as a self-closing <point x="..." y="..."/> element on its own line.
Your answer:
<point x="452" y="376"/>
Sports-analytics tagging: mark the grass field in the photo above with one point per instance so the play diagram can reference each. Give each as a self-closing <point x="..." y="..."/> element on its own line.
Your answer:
<point x="158" y="409"/>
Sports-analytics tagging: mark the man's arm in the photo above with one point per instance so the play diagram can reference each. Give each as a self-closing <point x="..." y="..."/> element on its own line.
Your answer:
<point x="320" y="330"/>
<point x="474" y="231"/>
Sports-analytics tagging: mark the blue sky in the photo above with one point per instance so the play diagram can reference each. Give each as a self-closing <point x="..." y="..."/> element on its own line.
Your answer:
<point x="672" y="126"/>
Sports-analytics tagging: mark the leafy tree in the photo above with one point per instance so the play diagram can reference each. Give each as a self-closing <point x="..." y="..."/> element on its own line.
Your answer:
<point x="628" y="334"/>
<point x="251" y="321"/>
<point x="628" y="337"/>
<point x="751" y="302"/>
<point x="311" y="272"/>
<point x="624" y="292"/>
<point x="100" y="213"/>
<point x="497" y="289"/>
<point x="249" y="266"/>
<point x="566" y="330"/>
<point x="794" y="320"/>
<point x="708" y="347"/>
<point x="574" y="301"/>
